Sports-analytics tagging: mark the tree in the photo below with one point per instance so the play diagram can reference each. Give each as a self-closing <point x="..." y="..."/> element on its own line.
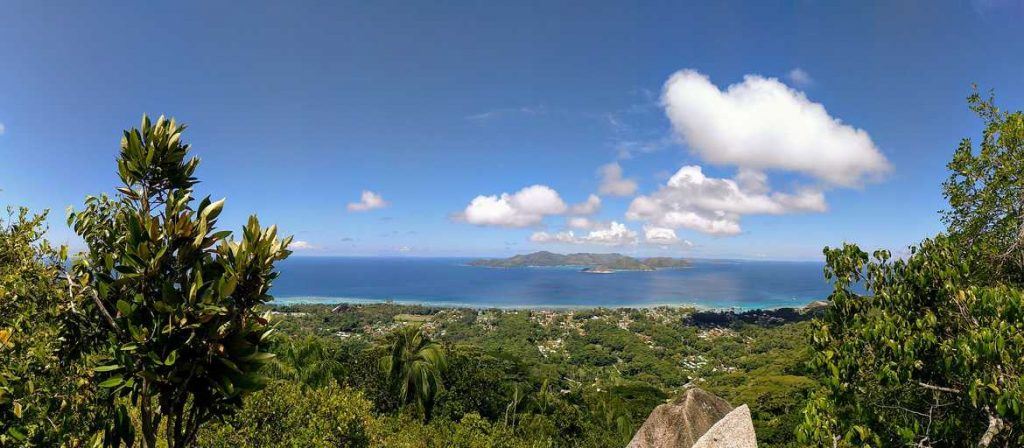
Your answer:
<point x="985" y="190"/>
<point x="41" y="403"/>
<point x="414" y="365"/>
<point x="477" y="382"/>
<point x="311" y="361"/>
<point x="167" y="305"/>
<point x="933" y="354"/>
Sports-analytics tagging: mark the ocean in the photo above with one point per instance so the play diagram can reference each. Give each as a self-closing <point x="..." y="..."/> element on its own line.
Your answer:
<point x="715" y="284"/>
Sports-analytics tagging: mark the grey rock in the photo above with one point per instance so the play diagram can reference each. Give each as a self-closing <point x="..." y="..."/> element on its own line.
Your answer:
<point x="735" y="430"/>
<point x="681" y="423"/>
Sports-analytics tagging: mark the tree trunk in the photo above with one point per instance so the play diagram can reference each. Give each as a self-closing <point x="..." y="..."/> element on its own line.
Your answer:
<point x="146" y="415"/>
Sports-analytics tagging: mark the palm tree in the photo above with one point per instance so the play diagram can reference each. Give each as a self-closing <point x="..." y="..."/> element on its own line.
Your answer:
<point x="309" y="362"/>
<point x="612" y="415"/>
<point x="414" y="365"/>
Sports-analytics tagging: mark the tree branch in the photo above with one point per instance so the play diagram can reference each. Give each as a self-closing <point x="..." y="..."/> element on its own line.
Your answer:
<point x="939" y="388"/>
<point x="99" y="304"/>
<point x="995" y="424"/>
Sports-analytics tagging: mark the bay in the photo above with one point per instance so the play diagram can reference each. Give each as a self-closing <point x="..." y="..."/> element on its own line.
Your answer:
<point x="716" y="284"/>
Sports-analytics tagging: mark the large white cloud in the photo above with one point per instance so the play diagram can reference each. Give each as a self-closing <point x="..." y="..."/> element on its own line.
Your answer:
<point x="367" y="201"/>
<point x="527" y="207"/>
<point x="713" y="205"/>
<point x="612" y="182"/>
<point x="762" y="124"/>
<point x="614" y="234"/>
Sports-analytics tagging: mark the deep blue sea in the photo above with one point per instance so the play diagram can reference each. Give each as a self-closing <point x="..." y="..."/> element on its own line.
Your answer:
<point x="450" y="282"/>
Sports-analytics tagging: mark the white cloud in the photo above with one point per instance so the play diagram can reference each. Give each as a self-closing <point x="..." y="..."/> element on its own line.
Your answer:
<point x="368" y="201"/>
<point x="568" y="237"/>
<point x="612" y="182"/>
<point x="495" y="113"/>
<point x="762" y="124"/>
<point x="580" y="223"/>
<point x="663" y="236"/>
<point x="800" y="77"/>
<point x="588" y="207"/>
<point x="301" y="245"/>
<point x="525" y="208"/>
<point x="2" y="129"/>
<point x="627" y="149"/>
<point x="614" y="234"/>
<point x="712" y="205"/>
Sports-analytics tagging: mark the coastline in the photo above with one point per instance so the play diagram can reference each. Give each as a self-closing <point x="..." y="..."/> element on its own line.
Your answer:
<point x="317" y="300"/>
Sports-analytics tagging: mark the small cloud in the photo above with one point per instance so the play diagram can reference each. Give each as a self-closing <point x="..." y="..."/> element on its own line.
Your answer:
<point x="612" y="182"/>
<point x="985" y="7"/>
<point x="627" y="149"/>
<point x="615" y="122"/>
<point x="588" y="207"/>
<point x="614" y="234"/>
<point x="497" y="113"/>
<point x="347" y="239"/>
<point x="368" y="201"/>
<point x="580" y="223"/>
<point x="800" y="77"/>
<point x="404" y="249"/>
<point x="301" y="245"/>
<point x="526" y="207"/>
<point x="662" y="236"/>
<point x="2" y="129"/>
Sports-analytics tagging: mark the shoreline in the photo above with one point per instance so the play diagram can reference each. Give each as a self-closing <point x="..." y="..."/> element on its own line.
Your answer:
<point x="327" y="301"/>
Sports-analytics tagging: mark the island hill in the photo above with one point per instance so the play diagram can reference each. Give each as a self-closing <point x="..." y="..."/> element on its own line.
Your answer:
<point x="591" y="263"/>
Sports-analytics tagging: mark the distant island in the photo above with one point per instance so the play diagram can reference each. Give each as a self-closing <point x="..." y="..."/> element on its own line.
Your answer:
<point x="591" y="263"/>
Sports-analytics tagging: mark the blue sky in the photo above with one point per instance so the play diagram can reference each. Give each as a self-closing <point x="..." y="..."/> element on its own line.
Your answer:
<point x="296" y="108"/>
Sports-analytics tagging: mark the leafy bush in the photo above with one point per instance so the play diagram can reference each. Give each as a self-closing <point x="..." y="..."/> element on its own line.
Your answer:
<point x="287" y="414"/>
<point x="472" y="431"/>
<point x="929" y="356"/>
<point x="933" y="354"/>
<point x="43" y="400"/>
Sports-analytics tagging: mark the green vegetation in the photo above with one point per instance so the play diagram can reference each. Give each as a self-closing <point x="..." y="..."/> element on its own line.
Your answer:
<point x="43" y="398"/>
<point x="287" y="414"/>
<point x="583" y="378"/>
<point x="413" y="365"/>
<point x="155" y="328"/>
<point x="933" y="356"/>
<point x="171" y="323"/>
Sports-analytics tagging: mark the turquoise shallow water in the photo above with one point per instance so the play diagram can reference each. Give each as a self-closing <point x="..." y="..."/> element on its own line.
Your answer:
<point x="450" y="282"/>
